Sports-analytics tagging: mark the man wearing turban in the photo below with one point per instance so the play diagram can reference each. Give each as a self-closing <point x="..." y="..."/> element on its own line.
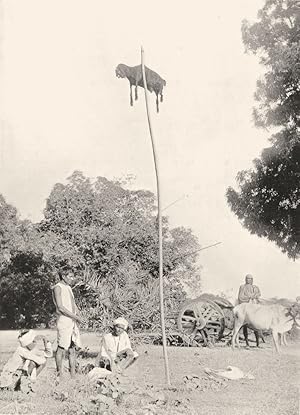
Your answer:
<point x="249" y="293"/>
<point x="116" y="353"/>
<point x="27" y="360"/>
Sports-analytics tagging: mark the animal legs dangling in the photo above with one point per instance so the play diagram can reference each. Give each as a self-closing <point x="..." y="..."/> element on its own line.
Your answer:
<point x="157" y="103"/>
<point x="131" y="100"/>
<point x="136" y="93"/>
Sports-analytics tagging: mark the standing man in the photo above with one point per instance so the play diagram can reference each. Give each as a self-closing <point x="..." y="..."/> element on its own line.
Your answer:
<point x="249" y="293"/>
<point x="68" y="336"/>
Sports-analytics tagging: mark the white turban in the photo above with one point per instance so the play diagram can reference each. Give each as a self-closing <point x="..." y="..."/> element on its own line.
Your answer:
<point x="120" y="321"/>
<point x="27" y="338"/>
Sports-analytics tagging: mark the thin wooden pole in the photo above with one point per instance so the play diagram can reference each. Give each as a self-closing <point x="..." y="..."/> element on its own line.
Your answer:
<point x="159" y="215"/>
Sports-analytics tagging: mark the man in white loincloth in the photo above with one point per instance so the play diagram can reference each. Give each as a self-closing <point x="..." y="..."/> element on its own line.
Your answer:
<point x="28" y="360"/>
<point x="116" y="353"/>
<point x="68" y="336"/>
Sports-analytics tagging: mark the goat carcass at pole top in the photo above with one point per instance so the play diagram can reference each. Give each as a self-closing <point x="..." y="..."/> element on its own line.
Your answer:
<point x="135" y="77"/>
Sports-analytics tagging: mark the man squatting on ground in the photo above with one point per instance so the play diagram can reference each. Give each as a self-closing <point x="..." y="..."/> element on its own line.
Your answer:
<point x="27" y="360"/>
<point x="68" y="336"/>
<point x="249" y="293"/>
<point x="116" y="353"/>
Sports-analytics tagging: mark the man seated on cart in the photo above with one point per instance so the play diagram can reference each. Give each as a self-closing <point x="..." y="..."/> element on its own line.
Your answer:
<point x="249" y="293"/>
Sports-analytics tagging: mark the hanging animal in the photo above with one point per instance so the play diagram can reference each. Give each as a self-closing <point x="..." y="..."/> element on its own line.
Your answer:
<point x="135" y="77"/>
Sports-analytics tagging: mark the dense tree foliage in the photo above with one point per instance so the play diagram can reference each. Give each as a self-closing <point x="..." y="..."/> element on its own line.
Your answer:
<point x="14" y="233"/>
<point x="107" y="235"/>
<point x="25" y="291"/>
<point x="268" y="198"/>
<point x="24" y="273"/>
<point x="107" y="225"/>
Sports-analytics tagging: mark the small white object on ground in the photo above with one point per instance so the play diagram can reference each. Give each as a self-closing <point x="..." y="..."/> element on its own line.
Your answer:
<point x="231" y="372"/>
<point x="98" y="373"/>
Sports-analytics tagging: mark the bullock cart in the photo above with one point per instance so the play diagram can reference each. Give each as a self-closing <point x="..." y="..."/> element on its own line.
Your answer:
<point x="199" y="322"/>
<point x="205" y="320"/>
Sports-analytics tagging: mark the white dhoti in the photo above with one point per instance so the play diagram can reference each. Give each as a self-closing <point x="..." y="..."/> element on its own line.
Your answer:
<point x="67" y="333"/>
<point x="67" y="329"/>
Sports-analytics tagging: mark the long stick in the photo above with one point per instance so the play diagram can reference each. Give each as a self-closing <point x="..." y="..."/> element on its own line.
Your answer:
<point x="198" y="250"/>
<point x="173" y="203"/>
<point x="161" y="282"/>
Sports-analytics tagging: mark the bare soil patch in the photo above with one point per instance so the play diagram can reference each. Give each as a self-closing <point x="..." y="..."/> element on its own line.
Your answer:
<point x="274" y="390"/>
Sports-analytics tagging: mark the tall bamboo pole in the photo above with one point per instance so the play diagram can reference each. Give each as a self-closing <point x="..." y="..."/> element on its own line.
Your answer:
<point x="159" y="215"/>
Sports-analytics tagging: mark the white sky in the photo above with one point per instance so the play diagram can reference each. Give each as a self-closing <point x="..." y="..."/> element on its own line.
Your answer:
<point x="63" y="109"/>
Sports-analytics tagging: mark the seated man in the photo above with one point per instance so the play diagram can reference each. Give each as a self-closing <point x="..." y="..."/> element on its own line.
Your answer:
<point x="27" y="360"/>
<point x="116" y="353"/>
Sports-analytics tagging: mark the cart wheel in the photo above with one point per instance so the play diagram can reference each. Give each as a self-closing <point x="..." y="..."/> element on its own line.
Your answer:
<point x="202" y="321"/>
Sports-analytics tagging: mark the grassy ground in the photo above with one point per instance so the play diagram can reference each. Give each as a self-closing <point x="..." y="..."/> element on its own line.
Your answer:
<point x="273" y="392"/>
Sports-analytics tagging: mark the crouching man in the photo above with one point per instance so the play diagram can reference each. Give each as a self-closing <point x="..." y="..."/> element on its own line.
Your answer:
<point x="116" y="353"/>
<point x="27" y="361"/>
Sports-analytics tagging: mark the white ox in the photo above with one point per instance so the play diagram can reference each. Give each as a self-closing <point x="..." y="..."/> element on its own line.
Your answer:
<point x="274" y="317"/>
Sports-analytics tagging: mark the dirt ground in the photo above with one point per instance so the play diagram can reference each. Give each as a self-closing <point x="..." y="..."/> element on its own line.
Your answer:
<point x="274" y="391"/>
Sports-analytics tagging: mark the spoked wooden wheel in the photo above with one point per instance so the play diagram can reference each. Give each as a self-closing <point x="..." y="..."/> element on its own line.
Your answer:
<point x="201" y="321"/>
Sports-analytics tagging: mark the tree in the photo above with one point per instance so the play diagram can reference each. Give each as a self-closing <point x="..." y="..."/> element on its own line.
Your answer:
<point x="16" y="235"/>
<point x="107" y="235"/>
<point x="106" y="224"/>
<point x="25" y="287"/>
<point x="111" y="239"/>
<point x="268" y="197"/>
<point x="13" y="231"/>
